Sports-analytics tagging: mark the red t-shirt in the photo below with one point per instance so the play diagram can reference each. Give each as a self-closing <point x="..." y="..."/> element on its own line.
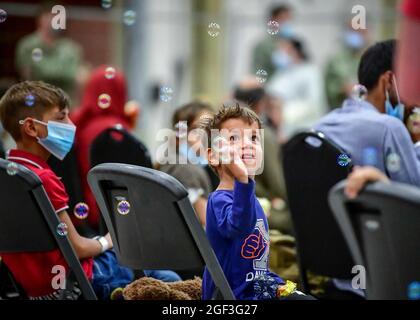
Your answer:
<point x="33" y="270"/>
<point x="411" y="8"/>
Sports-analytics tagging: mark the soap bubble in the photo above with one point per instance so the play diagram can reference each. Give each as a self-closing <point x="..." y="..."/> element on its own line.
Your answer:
<point x="343" y="160"/>
<point x="81" y="210"/>
<point x="110" y="73"/>
<point x="213" y="30"/>
<point x="393" y="162"/>
<point x="104" y="101"/>
<point x="62" y="229"/>
<point x="261" y="75"/>
<point x="273" y="27"/>
<point x="359" y="92"/>
<point x="106" y="4"/>
<point x="37" y="54"/>
<point x="129" y="17"/>
<point x="12" y="168"/>
<point x="166" y="93"/>
<point x="3" y="16"/>
<point x="30" y="100"/>
<point x="123" y="207"/>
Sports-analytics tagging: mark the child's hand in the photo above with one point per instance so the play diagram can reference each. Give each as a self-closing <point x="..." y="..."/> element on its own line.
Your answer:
<point x="237" y="167"/>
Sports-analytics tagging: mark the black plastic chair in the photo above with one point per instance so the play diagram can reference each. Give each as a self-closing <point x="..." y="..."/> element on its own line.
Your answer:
<point x="125" y="149"/>
<point x="310" y="170"/>
<point x="381" y="227"/>
<point x="161" y="230"/>
<point x="2" y="152"/>
<point x="28" y="222"/>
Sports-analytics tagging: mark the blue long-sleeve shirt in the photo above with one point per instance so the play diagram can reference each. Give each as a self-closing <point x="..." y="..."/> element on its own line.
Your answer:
<point x="237" y="229"/>
<point x="358" y="126"/>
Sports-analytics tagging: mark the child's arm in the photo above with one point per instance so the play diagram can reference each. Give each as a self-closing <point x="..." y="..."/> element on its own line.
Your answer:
<point x="237" y="217"/>
<point x="84" y="247"/>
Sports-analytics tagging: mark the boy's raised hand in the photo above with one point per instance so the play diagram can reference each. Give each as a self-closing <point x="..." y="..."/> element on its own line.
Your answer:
<point x="236" y="166"/>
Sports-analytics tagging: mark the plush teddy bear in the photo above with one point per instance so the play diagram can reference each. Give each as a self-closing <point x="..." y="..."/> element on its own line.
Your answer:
<point x="152" y="289"/>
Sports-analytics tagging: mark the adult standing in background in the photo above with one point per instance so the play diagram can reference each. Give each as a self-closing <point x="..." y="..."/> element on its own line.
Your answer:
<point x="408" y="62"/>
<point x="48" y="56"/>
<point x="263" y="51"/>
<point x="341" y="70"/>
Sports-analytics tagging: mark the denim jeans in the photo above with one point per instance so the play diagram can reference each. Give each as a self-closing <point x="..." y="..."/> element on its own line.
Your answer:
<point x="164" y="275"/>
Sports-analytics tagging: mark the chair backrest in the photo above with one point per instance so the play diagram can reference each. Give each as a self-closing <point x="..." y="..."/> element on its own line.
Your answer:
<point x="28" y="222"/>
<point x="2" y="152"/>
<point x="311" y="168"/>
<point x="382" y="229"/>
<point x="117" y="145"/>
<point x="152" y="222"/>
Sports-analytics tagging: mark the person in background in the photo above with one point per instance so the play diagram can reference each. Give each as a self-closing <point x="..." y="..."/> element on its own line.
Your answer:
<point x="341" y="70"/>
<point x="49" y="56"/>
<point x="270" y="183"/>
<point x="188" y="166"/>
<point x="370" y="128"/>
<point x="263" y="51"/>
<point x="407" y="62"/>
<point x="298" y="84"/>
<point x="93" y="117"/>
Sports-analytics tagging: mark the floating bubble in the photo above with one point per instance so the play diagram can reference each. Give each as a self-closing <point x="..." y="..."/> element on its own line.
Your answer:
<point x="117" y="294"/>
<point x="273" y="27"/>
<point x="123" y="207"/>
<point x="129" y="17"/>
<point x="359" y="92"/>
<point x="81" y="210"/>
<point x="12" y="168"/>
<point x="37" y="54"/>
<point x="414" y="290"/>
<point x="393" y="162"/>
<point x="110" y="73"/>
<point x="182" y="129"/>
<point x="261" y="75"/>
<point x="104" y="101"/>
<point x="213" y="30"/>
<point x="166" y="93"/>
<point x="62" y="229"/>
<point x="413" y="122"/>
<point x="30" y="100"/>
<point x="106" y="4"/>
<point x="343" y="160"/>
<point x="370" y="156"/>
<point x="3" y="16"/>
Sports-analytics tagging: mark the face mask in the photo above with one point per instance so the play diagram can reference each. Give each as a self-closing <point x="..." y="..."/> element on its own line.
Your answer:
<point x="398" y="110"/>
<point x="354" y="40"/>
<point x="286" y="31"/>
<point x="60" y="138"/>
<point x="281" y="59"/>
<point x="190" y="154"/>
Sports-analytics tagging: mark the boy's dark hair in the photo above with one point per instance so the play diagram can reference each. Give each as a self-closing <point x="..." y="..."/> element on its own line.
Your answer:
<point x="226" y="112"/>
<point x="279" y="9"/>
<point x="189" y="112"/>
<point x="375" y="61"/>
<point x="14" y="104"/>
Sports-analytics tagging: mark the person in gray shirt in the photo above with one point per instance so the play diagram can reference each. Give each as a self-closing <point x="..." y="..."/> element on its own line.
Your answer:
<point x="370" y="127"/>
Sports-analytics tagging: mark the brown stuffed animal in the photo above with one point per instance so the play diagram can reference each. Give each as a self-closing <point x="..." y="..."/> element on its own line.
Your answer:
<point x="152" y="289"/>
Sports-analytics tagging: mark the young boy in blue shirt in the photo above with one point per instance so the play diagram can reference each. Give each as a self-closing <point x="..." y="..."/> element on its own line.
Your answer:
<point x="236" y="224"/>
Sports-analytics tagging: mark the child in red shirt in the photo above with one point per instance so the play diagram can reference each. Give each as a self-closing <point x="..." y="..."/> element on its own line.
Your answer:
<point x="36" y="116"/>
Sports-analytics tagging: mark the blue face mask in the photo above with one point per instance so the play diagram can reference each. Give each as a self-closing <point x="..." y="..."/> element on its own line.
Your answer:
<point x="281" y="59"/>
<point x="190" y="154"/>
<point x="286" y="31"/>
<point x="398" y="110"/>
<point x="354" y="40"/>
<point x="60" y="138"/>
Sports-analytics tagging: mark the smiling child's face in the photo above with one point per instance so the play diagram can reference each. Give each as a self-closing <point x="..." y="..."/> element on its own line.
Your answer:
<point x="246" y="139"/>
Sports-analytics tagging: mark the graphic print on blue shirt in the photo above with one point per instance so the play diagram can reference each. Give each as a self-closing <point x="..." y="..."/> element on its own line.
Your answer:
<point x="256" y="247"/>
